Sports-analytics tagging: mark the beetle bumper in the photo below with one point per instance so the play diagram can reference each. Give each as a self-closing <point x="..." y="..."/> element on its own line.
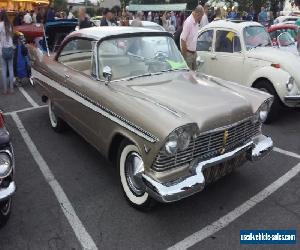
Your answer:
<point x="187" y="186"/>
<point x="293" y="101"/>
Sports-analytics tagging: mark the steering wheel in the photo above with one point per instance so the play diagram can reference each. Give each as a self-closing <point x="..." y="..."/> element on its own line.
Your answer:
<point x="161" y="56"/>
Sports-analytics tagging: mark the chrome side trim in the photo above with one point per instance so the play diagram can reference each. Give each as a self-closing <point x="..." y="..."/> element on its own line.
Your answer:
<point x="95" y="106"/>
<point x="5" y="193"/>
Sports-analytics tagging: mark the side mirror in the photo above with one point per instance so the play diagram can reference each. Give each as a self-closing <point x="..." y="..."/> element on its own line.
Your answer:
<point x="107" y="74"/>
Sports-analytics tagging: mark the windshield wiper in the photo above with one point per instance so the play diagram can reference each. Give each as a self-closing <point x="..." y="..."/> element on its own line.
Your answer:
<point x="139" y="76"/>
<point x="260" y="45"/>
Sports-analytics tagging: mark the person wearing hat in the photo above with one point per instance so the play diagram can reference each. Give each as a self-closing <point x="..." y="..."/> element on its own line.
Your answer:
<point x="188" y="37"/>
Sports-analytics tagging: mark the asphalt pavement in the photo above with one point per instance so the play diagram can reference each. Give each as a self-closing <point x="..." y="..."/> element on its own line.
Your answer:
<point x="40" y="219"/>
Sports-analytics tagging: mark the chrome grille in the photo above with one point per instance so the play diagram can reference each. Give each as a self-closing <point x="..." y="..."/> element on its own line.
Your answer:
<point x="210" y="144"/>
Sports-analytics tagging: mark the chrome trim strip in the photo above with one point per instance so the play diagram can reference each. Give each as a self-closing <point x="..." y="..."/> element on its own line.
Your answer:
<point x="5" y="193"/>
<point x="95" y="106"/>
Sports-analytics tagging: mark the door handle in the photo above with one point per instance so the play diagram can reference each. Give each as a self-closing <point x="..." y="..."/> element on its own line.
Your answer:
<point x="67" y="76"/>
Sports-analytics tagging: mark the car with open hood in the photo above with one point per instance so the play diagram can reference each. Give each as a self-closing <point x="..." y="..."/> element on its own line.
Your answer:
<point x="7" y="171"/>
<point x="242" y="52"/>
<point x="129" y="93"/>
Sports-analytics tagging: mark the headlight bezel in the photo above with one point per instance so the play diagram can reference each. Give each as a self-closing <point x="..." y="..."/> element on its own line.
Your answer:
<point x="180" y="139"/>
<point x="290" y="84"/>
<point x="6" y="164"/>
<point x="262" y="112"/>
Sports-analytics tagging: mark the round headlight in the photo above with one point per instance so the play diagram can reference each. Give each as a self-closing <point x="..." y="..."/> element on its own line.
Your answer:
<point x="5" y="165"/>
<point x="172" y="144"/>
<point x="290" y="84"/>
<point x="263" y="111"/>
<point x="184" y="140"/>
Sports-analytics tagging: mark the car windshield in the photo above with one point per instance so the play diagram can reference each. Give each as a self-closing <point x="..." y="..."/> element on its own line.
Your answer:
<point x="139" y="56"/>
<point x="285" y="39"/>
<point x="256" y="36"/>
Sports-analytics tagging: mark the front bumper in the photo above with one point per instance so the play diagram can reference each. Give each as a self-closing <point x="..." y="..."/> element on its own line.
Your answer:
<point x="292" y="100"/>
<point x="7" y="184"/>
<point x="187" y="186"/>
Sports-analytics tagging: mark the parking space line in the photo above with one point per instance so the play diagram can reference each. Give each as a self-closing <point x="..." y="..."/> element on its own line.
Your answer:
<point x="28" y="97"/>
<point x="82" y="235"/>
<point x="24" y="110"/>
<point x="288" y="153"/>
<point x="237" y="212"/>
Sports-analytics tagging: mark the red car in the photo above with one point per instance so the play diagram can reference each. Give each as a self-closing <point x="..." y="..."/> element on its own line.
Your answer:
<point x="276" y="29"/>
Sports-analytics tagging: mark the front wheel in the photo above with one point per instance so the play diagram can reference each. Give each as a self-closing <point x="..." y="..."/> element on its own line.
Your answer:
<point x="130" y="165"/>
<point x="5" y="211"/>
<point x="267" y="87"/>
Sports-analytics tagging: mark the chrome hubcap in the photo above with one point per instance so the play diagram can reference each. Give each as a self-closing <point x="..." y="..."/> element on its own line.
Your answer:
<point x="134" y="165"/>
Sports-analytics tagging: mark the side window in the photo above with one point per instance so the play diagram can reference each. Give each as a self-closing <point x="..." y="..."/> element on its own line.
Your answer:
<point x="227" y="41"/>
<point x="77" y="54"/>
<point x="204" y="42"/>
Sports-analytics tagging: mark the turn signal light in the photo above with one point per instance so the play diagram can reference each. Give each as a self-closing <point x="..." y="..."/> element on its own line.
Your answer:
<point x="1" y="120"/>
<point x="276" y="65"/>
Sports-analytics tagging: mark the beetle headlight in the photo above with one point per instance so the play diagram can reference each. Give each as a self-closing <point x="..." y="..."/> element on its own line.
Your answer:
<point x="180" y="139"/>
<point x="261" y="114"/>
<point x="5" y="165"/>
<point x="290" y="84"/>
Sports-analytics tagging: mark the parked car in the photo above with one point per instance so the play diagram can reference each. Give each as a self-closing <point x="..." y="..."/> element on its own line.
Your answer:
<point x="286" y="19"/>
<point x="7" y="170"/>
<point x="243" y="53"/>
<point x="169" y="131"/>
<point x="286" y="42"/>
<point x="277" y="29"/>
<point x="96" y="20"/>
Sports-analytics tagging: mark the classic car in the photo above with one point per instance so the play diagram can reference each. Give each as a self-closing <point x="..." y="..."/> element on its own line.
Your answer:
<point x="287" y="43"/>
<point x="286" y="19"/>
<point x="7" y="165"/>
<point x="243" y="53"/>
<point x="169" y="131"/>
<point x="30" y="31"/>
<point x="277" y="29"/>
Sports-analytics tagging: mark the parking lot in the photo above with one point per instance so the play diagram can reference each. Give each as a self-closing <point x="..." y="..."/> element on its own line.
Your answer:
<point x="69" y="196"/>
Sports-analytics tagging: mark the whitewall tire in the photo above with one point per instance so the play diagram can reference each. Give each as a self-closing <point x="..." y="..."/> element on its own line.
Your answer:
<point x="129" y="160"/>
<point x="57" y="124"/>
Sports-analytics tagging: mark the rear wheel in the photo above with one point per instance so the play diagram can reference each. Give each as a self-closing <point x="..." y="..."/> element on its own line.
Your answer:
<point x="130" y="163"/>
<point x="57" y="124"/>
<point x="5" y="211"/>
<point x="267" y="87"/>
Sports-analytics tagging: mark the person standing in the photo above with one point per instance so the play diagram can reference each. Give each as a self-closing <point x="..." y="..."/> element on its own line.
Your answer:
<point x="27" y="18"/>
<point x="83" y="19"/>
<point x="137" y="21"/>
<point x="204" y="20"/>
<point x="188" y="38"/>
<point x="6" y="50"/>
<point x="263" y="17"/>
<point x="107" y="19"/>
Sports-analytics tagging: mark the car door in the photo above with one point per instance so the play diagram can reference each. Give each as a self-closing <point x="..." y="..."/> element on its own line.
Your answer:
<point x="227" y="61"/>
<point x="85" y="89"/>
<point x="205" y="51"/>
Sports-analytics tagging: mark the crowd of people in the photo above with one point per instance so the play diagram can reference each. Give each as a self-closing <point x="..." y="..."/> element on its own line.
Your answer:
<point x="184" y="27"/>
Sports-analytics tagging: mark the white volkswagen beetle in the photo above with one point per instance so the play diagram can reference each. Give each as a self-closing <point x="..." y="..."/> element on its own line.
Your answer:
<point x="242" y="52"/>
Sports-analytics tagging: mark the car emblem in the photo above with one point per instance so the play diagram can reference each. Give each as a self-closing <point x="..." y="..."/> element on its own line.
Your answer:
<point x="225" y="138"/>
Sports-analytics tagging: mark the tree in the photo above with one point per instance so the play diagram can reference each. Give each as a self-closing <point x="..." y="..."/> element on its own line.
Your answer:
<point x="60" y="5"/>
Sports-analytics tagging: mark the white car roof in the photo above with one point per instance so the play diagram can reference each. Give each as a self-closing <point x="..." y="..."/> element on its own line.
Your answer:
<point x="238" y="26"/>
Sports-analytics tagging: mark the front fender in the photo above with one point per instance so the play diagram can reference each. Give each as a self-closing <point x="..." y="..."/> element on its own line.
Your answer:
<point x="278" y="78"/>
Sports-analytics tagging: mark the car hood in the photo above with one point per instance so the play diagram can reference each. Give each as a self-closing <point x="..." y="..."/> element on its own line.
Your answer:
<point x="191" y="98"/>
